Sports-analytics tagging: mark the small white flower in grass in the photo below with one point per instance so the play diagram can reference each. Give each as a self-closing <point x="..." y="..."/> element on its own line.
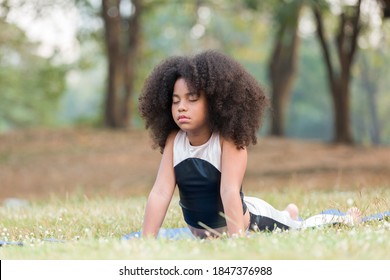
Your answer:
<point x="344" y="246"/>
<point x="380" y="239"/>
<point x="235" y="236"/>
<point x="318" y="253"/>
<point x="5" y="229"/>
<point x="195" y="251"/>
<point x="350" y="201"/>
<point x="232" y="243"/>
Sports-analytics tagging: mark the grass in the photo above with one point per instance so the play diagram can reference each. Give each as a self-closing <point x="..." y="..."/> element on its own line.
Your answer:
<point x="91" y="228"/>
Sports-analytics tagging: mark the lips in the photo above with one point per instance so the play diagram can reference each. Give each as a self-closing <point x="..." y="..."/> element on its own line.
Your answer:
<point x="183" y="118"/>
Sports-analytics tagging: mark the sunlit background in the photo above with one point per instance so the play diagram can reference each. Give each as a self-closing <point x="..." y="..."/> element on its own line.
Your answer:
<point x="54" y="60"/>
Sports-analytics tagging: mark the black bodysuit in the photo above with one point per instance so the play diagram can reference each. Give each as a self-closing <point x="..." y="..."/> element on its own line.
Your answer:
<point x="198" y="176"/>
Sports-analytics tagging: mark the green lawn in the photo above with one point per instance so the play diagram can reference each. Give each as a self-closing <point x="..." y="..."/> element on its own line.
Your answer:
<point x="91" y="228"/>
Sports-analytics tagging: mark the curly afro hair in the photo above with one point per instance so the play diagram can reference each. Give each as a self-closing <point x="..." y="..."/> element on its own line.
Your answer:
<point x="236" y="102"/>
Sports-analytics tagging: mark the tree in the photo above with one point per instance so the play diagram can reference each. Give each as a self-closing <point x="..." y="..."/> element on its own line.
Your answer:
<point x="370" y="86"/>
<point x="122" y="36"/>
<point x="385" y="4"/>
<point x="339" y="66"/>
<point x="283" y="63"/>
<point x="371" y="63"/>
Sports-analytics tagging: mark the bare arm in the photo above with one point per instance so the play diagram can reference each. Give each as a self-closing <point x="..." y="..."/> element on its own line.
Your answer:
<point x="161" y="193"/>
<point x="233" y="166"/>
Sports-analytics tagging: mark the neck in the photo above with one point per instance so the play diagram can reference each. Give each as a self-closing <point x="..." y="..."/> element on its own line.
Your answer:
<point x="197" y="139"/>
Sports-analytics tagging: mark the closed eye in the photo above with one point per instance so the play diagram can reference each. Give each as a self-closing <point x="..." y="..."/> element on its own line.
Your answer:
<point x="193" y="97"/>
<point x="175" y="100"/>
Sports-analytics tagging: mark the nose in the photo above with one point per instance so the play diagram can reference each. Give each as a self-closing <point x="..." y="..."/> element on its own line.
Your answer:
<point x="182" y="107"/>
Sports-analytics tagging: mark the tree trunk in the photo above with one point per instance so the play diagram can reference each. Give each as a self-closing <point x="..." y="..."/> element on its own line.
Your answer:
<point x="371" y="87"/>
<point x="112" y="23"/>
<point x="283" y="69"/>
<point x="341" y="106"/>
<point x="374" y="127"/>
<point x="122" y="47"/>
<point x="339" y="76"/>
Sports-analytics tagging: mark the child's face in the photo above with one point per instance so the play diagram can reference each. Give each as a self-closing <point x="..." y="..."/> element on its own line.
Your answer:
<point x="189" y="109"/>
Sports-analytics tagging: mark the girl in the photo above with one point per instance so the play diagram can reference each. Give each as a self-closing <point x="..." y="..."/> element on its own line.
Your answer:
<point x="202" y="112"/>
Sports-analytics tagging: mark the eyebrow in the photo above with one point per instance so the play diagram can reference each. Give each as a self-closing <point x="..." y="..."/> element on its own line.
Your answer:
<point x="187" y="94"/>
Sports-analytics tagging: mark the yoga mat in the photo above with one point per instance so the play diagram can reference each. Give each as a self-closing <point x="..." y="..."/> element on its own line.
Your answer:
<point x="325" y="218"/>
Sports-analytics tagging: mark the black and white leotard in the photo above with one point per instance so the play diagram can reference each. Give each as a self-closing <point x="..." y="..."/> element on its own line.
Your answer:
<point x="198" y="176"/>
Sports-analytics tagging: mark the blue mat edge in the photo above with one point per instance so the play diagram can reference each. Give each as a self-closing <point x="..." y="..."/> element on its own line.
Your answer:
<point x="175" y="233"/>
<point x="180" y="233"/>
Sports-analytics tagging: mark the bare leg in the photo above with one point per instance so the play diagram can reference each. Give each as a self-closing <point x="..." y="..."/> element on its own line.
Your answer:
<point x="265" y="216"/>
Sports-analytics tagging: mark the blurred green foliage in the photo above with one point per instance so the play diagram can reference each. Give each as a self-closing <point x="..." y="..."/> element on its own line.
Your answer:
<point x="30" y="86"/>
<point x="39" y="91"/>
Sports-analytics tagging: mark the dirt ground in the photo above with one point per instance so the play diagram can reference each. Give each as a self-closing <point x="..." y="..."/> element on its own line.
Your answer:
<point x="39" y="163"/>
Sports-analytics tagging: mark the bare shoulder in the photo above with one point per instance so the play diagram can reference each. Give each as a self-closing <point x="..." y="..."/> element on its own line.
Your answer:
<point x="233" y="165"/>
<point x="170" y="139"/>
<point x="229" y="145"/>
